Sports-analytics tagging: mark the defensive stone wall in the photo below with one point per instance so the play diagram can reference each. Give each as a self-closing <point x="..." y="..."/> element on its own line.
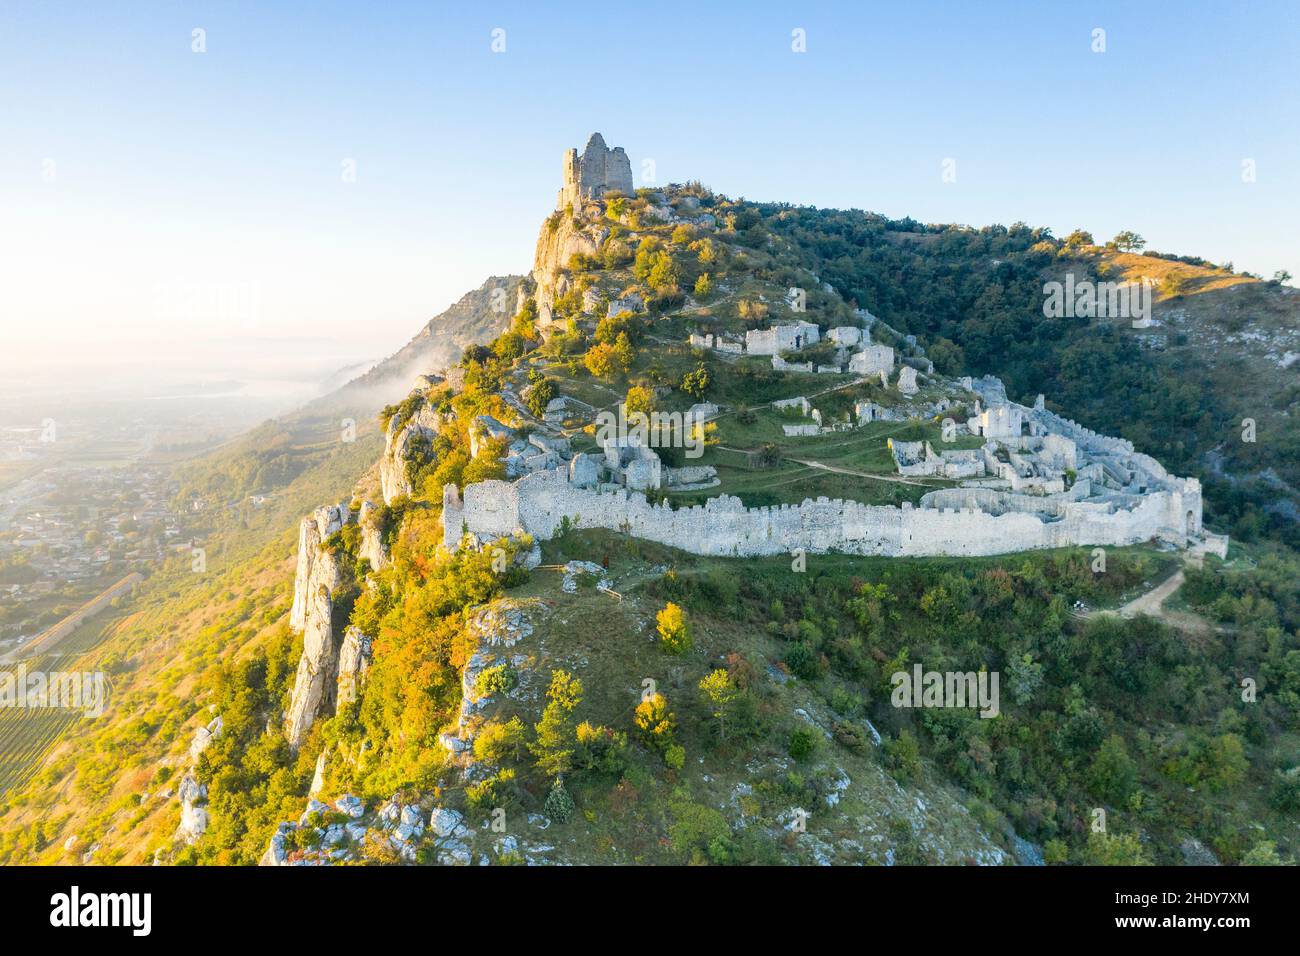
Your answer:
<point x="539" y="503"/>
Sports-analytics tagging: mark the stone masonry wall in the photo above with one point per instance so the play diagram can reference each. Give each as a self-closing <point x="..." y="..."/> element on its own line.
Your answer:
<point x="723" y="526"/>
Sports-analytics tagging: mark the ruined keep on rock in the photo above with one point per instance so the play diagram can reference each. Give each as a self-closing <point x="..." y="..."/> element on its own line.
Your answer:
<point x="597" y="171"/>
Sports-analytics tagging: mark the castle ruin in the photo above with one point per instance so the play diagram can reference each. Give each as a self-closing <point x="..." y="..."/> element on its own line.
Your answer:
<point x="1014" y="496"/>
<point x="597" y="171"/>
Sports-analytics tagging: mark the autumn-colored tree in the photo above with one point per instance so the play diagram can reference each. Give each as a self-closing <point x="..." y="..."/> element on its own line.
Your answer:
<point x="720" y="693"/>
<point x="654" y="722"/>
<point x="674" y="629"/>
<point x="601" y="361"/>
<point x="639" y="399"/>
<point x="664" y="276"/>
<point x="556" y="731"/>
<point x="696" y="384"/>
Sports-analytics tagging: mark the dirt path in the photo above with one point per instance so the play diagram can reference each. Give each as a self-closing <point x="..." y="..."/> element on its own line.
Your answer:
<point x="899" y="479"/>
<point x="1152" y="602"/>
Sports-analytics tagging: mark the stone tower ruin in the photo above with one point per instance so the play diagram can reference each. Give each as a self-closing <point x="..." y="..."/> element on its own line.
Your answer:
<point x="597" y="171"/>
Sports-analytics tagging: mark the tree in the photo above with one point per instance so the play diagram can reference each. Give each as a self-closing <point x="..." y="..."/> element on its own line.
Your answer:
<point x="674" y="629"/>
<point x="696" y="384"/>
<point x="488" y="464"/>
<point x="1025" y="676"/>
<point x="645" y="258"/>
<point x="541" y="390"/>
<point x="1129" y="241"/>
<point x="1103" y="849"/>
<point x="1223" y="762"/>
<point x="639" y="399"/>
<point x="948" y="357"/>
<point x="1281" y="276"/>
<point x="1262" y="854"/>
<point x="601" y="360"/>
<point x="624" y="354"/>
<point x="703" y="286"/>
<point x="721" y="695"/>
<point x="903" y="756"/>
<point x="664" y="276"/>
<point x="610" y="327"/>
<point x="654" y="722"/>
<point x="1080" y="237"/>
<point x="1113" y="775"/>
<point x="559" y="805"/>
<point x="703" y="248"/>
<point x="556" y="731"/>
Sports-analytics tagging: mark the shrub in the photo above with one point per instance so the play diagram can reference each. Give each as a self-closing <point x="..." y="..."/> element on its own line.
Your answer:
<point x="499" y="742"/>
<point x="903" y="757"/>
<point x="498" y="679"/>
<point x="674" y="629"/>
<point x="600" y="750"/>
<point x="803" y="743"/>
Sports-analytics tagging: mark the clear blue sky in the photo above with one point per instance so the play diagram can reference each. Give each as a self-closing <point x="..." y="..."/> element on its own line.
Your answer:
<point x="186" y="172"/>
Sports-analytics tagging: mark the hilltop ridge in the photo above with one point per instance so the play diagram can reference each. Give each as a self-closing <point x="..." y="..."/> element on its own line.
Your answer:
<point x="439" y="648"/>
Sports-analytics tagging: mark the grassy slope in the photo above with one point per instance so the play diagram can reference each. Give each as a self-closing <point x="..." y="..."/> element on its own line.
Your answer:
<point x="177" y="631"/>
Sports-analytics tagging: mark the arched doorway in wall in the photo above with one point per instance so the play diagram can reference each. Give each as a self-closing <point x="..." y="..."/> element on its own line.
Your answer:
<point x="1191" y="524"/>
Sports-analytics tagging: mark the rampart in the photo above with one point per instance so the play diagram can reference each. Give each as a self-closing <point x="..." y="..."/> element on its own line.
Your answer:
<point x="723" y="526"/>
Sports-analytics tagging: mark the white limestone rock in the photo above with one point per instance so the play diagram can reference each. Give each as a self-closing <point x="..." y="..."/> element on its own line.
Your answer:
<point x="372" y="546"/>
<point x="194" y="813"/>
<point x="351" y="805"/>
<point x="204" y="736"/>
<point x="315" y="684"/>
<point x="318" y="778"/>
<point x="354" y="664"/>
<point x="402" y="443"/>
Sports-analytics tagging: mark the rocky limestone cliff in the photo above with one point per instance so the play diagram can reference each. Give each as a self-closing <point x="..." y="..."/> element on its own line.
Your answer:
<point x="314" y="684"/>
<point x="313" y="530"/>
<point x="312" y="613"/>
<point x="400" y="446"/>
<point x="354" y="664"/>
<point x="556" y="244"/>
<point x="372" y="548"/>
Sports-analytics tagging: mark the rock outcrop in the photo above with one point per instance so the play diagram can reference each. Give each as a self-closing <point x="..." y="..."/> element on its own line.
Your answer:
<point x="193" y="796"/>
<point x="354" y="664"/>
<point x="318" y="576"/>
<point x="194" y="811"/>
<point x="313" y="531"/>
<point x="314" y="685"/>
<point x="558" y="242"/>
<point x="403" y="442"/>
<point x="372" y="546"/>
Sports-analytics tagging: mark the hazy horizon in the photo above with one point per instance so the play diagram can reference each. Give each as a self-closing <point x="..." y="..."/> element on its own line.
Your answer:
<point x="239" y="210"/>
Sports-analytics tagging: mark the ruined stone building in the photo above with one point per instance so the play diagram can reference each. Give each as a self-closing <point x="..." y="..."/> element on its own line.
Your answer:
<point x="597" y="171"/>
